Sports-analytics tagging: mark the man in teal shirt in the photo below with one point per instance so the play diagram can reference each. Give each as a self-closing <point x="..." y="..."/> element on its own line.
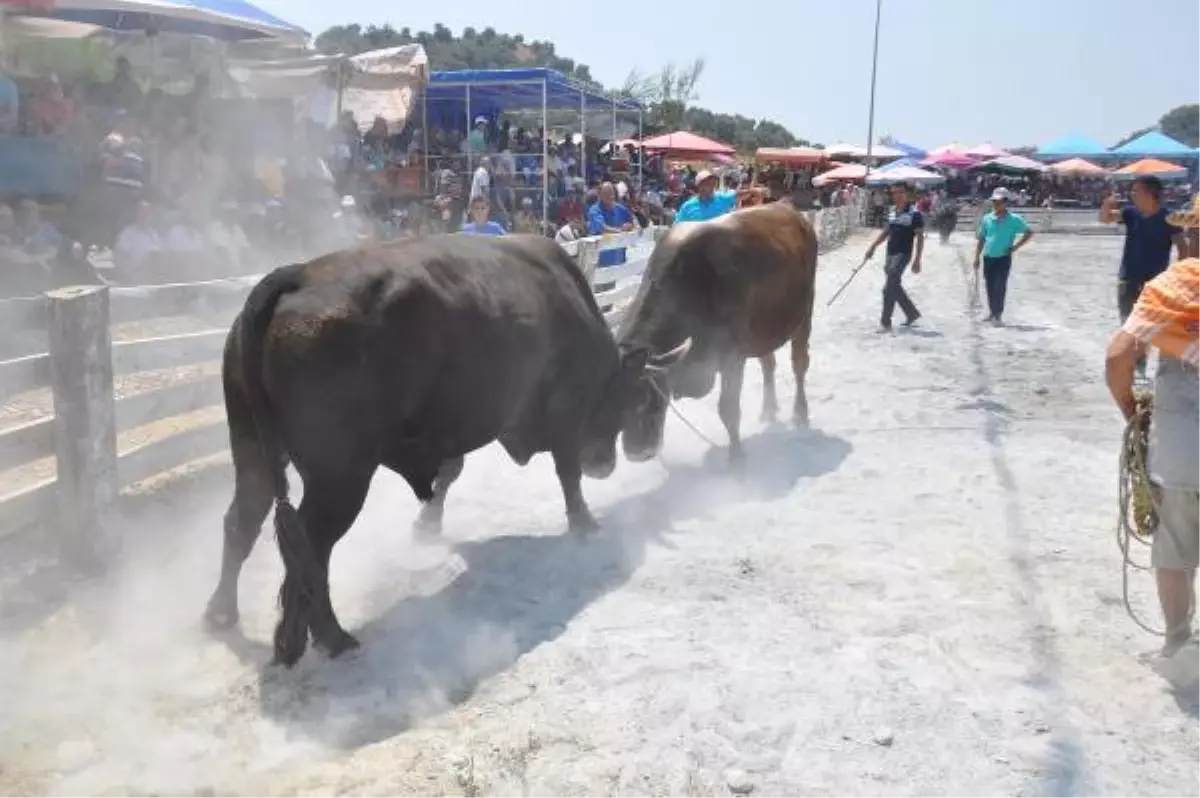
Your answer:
<point x="708" y="203"/>
<point x="997" y="233"/>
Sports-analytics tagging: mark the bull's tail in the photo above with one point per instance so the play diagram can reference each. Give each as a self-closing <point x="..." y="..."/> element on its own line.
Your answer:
<point x="295" y="548"/>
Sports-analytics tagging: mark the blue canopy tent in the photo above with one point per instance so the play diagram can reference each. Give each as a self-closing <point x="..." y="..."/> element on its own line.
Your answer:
<point x="453" y="99"/>
<point x="225" y="20"/>
<point x="1154" y="145"/>
<point x="1072" y="145"/>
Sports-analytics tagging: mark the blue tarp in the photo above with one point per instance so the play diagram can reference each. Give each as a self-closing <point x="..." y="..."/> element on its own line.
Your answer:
<point x="1072" y="146"/>
<point x="38" y="166"/>
<point x="914" y="162"/>
<point x="909" y="150"/>
<point x="227" y="20"/>
<point x="497" y="90"/>
<point x="1154" y="145"/>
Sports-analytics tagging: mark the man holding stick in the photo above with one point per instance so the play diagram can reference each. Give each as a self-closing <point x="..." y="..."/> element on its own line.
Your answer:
<point x="905" y="229"/>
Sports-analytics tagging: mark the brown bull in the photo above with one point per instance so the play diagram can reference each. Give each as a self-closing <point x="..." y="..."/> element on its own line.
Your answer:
<point x="738" y="286"/>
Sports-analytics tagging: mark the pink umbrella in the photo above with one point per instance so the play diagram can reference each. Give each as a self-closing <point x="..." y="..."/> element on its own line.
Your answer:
<point x="986" y="150"/>
<point x="950" y="159"/>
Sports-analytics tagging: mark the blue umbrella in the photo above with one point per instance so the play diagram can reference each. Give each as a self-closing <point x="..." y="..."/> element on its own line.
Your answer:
<point x="227" y="20"/>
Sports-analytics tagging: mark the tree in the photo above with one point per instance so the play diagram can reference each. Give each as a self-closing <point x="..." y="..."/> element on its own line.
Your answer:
<point x="1182" y="124"/>
<point x="1131" y="136"/>
<point x="668" y="94"/>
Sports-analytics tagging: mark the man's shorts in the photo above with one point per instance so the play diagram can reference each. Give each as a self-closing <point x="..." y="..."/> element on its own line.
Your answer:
<point x="1176" y="543"/>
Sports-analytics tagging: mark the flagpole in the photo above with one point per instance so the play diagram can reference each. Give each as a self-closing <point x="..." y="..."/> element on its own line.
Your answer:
<point x="874" y="69"/>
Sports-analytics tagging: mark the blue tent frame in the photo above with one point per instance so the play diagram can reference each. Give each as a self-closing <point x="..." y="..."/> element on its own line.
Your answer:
<point x="455" y="97"/>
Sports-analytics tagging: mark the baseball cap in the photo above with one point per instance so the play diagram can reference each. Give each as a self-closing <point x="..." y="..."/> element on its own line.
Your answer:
<point x="1000" y="194"/>
<point x="705" y="174"/>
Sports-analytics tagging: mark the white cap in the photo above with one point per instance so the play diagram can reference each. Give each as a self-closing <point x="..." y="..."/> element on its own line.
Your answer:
<point x="481" y="120"/>
<point x="1000" y="194"/>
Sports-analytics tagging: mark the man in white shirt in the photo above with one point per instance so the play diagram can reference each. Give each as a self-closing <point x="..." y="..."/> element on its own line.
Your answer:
<point x="138" y="241"/>
<point x="481" y="182"/>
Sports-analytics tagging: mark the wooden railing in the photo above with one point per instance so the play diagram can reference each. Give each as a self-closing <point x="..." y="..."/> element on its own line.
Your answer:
<point x="104" y="409"/>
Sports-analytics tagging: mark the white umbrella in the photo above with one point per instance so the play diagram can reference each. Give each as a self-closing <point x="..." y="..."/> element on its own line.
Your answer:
<point x="904" y="174"/>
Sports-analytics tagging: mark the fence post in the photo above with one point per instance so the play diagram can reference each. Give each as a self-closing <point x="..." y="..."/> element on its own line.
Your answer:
<point x="81" y="379"/>
<point x="587" y="255"/>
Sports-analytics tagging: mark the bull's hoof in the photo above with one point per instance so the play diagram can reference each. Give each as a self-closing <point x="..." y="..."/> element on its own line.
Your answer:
<point x="428" y="526"/>
<point x="338" y="643"/>
<point x="737" y="459"/>
<point x="769" y="415"/>
<point x="220" y="619"/>
<point x="582" y="523"/>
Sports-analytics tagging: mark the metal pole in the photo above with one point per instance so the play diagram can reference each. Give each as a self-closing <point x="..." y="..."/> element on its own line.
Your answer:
<point x="545" y="158"/>
<point x="641" y="152"/>
<point x="467" y="91"/>
<point x="583" y="137"/>
<point x="871" y="113"/>
<point x="425" y="135"/>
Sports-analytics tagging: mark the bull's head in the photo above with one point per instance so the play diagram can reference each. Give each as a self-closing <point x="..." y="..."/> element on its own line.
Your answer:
<point x="646" y="406"/>
<point x="639" y="377"/>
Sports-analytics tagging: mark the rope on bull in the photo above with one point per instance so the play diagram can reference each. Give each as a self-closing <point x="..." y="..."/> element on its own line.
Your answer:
<point x="1138" y="511"/>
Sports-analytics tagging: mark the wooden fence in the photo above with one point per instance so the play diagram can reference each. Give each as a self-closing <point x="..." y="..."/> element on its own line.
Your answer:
<point x="92" y="416"/>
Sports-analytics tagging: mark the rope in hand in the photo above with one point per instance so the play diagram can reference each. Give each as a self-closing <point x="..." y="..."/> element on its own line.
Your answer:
<point x="1138" y="510"/>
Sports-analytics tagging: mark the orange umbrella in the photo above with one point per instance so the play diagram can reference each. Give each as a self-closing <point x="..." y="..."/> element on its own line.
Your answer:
<point x="1151" y="166"/>
<point x="1078" y="167"/>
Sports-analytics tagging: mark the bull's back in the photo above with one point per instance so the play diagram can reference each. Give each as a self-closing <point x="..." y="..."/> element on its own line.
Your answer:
<point x="448" y="339"/>
<point x="772" y="255"/>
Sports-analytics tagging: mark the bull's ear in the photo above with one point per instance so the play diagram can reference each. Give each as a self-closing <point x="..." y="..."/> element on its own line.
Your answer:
<point x="664" y="362"/>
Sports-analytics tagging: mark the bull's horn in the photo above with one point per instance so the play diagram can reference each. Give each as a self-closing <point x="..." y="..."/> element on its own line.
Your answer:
<point x="664" y="361"/>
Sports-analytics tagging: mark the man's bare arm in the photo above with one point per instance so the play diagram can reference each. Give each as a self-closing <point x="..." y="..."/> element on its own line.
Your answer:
<point x="1119" y="367"/>
<point x="1181" y="247"/>
<point x="1110" y="210"/>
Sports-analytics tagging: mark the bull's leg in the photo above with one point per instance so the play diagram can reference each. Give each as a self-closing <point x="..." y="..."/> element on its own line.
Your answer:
<point x="770" y="405"/>
<point x="243" y="521"/>
<point x="429" y="521"/>
<point x="566" y="464"/>
<point x="329" y="511"/>
<point x="800" y="369"/>
<point x="729" y="405"/>
<point x="331" y="502"/>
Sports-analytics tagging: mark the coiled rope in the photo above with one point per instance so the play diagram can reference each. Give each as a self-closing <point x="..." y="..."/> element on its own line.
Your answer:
<point x="1138" y="508"/>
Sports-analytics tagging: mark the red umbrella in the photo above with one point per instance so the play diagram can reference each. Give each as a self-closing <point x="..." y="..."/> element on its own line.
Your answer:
<point x="953" y="160"/>
<point x="683" y="141"/>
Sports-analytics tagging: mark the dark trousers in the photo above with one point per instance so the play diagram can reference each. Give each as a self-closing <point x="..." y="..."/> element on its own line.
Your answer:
<point x="1128" y="292"/>
<point x="893" y="291"/>
<point x="995" y="278"/>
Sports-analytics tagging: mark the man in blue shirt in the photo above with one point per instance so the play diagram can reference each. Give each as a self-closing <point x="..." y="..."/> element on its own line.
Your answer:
<point x="997" y="232"/>
<point x="479" y="224"/>
<point x="708" y="203"/>
<point x="905" y="229"/>
<point x="607" y="216"/>
<point x="1148" y="239"/>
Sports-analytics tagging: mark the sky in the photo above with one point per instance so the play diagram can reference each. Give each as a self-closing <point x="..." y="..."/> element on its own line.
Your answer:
<point x="1013" y="72"/>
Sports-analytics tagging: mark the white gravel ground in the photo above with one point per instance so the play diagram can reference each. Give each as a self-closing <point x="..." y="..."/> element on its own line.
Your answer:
<point x="921" y="595"/>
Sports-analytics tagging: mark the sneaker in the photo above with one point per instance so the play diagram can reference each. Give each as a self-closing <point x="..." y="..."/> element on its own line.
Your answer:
<point x="884" y="328"/>
<point x="912" y="321"/>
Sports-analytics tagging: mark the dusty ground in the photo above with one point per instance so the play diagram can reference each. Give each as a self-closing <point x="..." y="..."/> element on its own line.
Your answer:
<point x="922" y="595"/>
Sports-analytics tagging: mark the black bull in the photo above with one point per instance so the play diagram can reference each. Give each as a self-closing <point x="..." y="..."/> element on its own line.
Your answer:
<point x="407" y="356"/>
